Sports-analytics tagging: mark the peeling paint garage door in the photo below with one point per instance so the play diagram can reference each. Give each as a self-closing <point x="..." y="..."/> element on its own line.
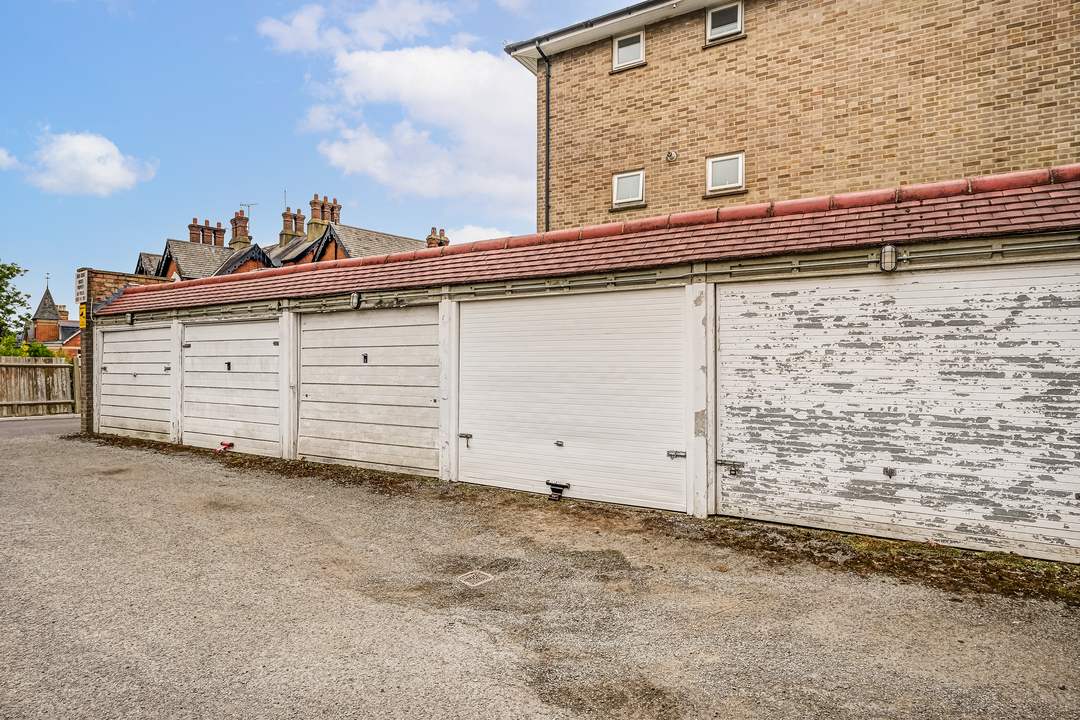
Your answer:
<point x="602" y="374"/>
<point x="135" y="382"/>
<point x="231" y="386"/>
<point x="926" y="405"/>
<point x="369" y="388"/>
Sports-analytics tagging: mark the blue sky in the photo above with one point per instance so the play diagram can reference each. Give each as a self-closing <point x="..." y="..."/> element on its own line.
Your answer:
<point x="124" y="119"/>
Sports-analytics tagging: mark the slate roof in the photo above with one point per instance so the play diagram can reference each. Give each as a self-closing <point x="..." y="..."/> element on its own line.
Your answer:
<point x="147" y="264"/>
<point x="359" y="242"/>
<point x="291" y="250"/>
<point x="239" y="257"/>
<point x="1015" y="203"/>
<point x="46" y="308"/>
<point x="68" y="329"/>
<point x="195" y="260"/>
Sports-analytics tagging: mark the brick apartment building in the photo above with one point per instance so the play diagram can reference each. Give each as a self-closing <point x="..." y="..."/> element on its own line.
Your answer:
<point x="667" y="107"/>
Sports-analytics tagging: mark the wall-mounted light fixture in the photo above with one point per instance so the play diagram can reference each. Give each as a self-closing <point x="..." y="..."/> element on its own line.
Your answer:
<point x="889" y="260"/>
<point x="354" y="301"/>
<point x="129" y="318"/>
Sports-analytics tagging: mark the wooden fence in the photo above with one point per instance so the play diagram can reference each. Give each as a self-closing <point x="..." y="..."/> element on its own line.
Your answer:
<point x="35" y="386"/>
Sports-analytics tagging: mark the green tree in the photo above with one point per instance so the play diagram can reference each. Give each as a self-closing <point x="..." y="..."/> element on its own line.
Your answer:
<point x="11" y="301"/>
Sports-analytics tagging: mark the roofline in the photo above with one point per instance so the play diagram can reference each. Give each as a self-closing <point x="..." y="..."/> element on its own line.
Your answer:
<point x="598" y="28"/>
<point x="843" y="201"/>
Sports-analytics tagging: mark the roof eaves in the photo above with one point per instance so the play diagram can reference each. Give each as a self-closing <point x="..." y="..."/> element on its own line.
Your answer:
<point x="776" y="215"/>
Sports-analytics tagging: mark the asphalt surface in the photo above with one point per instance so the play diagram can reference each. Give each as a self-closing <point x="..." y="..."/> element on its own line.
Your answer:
<point x="142" y="585"/>
<point x="31" y="426"/>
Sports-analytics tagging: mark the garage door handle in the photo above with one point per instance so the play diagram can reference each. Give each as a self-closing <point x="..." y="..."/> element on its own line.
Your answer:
<point x="467" y="436"/>
<point x="676" y="454"/>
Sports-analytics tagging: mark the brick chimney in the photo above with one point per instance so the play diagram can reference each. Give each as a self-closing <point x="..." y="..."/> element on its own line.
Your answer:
<point x="241" y="238"/>
<point x="292" y="226"/>
<point x="204" y="234"/>
<point x="219" y="235"/>
<point x="61" y="310"/>
<point x="439" y="240"/>
<point x="323" y="212"/>
<point x="194" y="231"/>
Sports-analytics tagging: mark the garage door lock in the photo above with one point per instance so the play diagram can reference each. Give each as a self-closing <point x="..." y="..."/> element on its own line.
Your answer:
<point x="467" y="436"/>
<point x="557" y="490"/>
<point x="733" y="468"/>
<point x="676" y="454"/>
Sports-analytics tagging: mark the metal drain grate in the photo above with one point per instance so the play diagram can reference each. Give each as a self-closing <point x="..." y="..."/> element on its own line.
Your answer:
<point x="475" y="578"/>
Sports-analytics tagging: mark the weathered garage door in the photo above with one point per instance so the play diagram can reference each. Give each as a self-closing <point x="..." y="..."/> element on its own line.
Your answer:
<point x="938" y="405"/>
<point x="135" y="380"/>
<point x="369" y="388"/>
<point x="578" y="389"/>
<point x="231" y="386"/>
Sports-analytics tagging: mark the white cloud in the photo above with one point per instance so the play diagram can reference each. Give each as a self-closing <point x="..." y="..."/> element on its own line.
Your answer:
<point x="480" y="102"/>
<point x="85" y="164"/>
<point x="385" y="20"/>
<point x="472" y="233"/>
<point x="8" y="162"/>
<point x="466" y="120"/>
<point x="515" y="6"/>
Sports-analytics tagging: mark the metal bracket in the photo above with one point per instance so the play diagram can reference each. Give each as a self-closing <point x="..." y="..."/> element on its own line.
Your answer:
<point x="676" y="454"/>
<point x="187" y="345"/>
<point x="556" y="489"/>
<point x="733" y="467"/>
<point x="467" y="436"/>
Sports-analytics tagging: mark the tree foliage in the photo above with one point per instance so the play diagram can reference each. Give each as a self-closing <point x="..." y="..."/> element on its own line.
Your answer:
<point x="12" y="301"/>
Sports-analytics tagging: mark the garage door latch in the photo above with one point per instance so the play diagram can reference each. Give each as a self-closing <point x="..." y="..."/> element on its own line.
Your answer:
<point x="732" y="466"/>
<point x="557" y="489"/>
<point x="676" y="454"/>
<point x="467" y="436"/>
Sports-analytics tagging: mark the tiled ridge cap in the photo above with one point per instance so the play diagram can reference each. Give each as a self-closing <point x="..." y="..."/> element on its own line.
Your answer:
<point x="865" y="198"/>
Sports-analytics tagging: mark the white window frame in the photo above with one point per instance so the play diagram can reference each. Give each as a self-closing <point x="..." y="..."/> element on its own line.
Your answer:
<point x="709" y="188"/>
<point x="615" y="188"/>
<point x="709" y="37"/>
<point x="615" y="50"/>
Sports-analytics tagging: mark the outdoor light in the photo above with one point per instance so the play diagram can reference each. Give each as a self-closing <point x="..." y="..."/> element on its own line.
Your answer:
<point x="130" y="318"/>
<point x="354" y="301"/>
<point x="888" y="258"/>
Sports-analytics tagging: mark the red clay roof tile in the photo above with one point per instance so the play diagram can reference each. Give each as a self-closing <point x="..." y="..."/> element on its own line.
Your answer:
<point x="933" y="211"/>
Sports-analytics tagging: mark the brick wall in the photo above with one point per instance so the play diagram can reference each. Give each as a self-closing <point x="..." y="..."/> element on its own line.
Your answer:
<point x="824" y="97"/>
<point x="100" y="285"/>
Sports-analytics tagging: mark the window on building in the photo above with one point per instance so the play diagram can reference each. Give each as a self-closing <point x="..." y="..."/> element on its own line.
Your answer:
<point x="723" y="21"/>
<point x="724" y="173"/>
<point x="629" y="50"/>
<point x="627" y="187"/>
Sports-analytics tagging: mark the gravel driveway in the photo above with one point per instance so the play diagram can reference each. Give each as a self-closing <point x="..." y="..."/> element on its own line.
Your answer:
<point x="140" y="585"/>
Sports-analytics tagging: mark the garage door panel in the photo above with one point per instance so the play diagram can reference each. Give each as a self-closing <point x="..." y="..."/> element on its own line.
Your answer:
<point x="133" y="379"/>
<point x="239" y="405"/>
<point x="967" y="389"/>
<point x="382" y="413"/>
<point x="601" y="373"/>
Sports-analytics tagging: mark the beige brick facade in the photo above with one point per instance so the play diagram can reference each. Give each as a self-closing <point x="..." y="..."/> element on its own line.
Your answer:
<point x="823" y="97"/>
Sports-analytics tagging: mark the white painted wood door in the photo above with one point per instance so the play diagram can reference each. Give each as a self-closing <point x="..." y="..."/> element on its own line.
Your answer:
<point x="231" y="389"/>
<point x="603" y="374"/>
<point x="135" y="382"/>
<point x="369" y="388"/>
<point x="966" y="383"/>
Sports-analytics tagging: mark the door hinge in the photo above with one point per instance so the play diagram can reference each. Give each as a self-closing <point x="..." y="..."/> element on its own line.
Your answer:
<point x="732" y="466"/>
<point x="676" y="454"/>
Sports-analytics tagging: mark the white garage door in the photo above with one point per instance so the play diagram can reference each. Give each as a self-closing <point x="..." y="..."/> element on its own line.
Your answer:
<point x="940" y="405"/>
<point x="231" y="386"/>
<point x="369" y="388"/>
<point x="578" y="389"/>
<point x="135" y="378"/>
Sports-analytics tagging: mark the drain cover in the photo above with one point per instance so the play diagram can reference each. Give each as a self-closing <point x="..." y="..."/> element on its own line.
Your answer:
<point x="475" y="578"/>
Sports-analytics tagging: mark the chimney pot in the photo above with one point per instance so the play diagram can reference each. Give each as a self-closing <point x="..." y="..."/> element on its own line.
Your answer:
<point x="206" y="223"/>
<point x="194" y="221"/>
<point x="316" y="196"/>
<point x="236" y="214"/>
<point x="241" y="213"/>
<point x="288" y="209"/>
<point x="335" y="201"/>
<point x="219" y="224"/>
<point x="324" y="198"/>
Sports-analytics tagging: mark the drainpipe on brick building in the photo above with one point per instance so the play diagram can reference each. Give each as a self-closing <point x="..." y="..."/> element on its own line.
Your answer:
<point x="547" y="137"/>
